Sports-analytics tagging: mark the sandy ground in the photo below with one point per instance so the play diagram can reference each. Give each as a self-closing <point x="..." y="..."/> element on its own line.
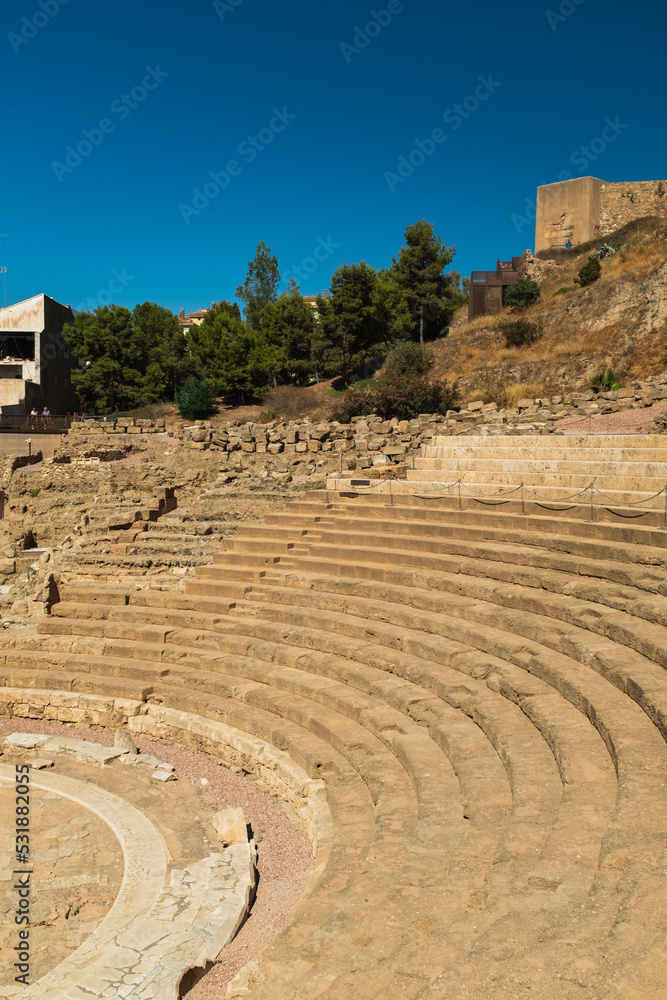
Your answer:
<point x="284" y="854"/>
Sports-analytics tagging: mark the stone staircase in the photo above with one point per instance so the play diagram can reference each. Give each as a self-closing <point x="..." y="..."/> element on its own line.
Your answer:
<point x="481" y="694"/>
<point x="155" y="552"/>
<point x="626" y="466"/>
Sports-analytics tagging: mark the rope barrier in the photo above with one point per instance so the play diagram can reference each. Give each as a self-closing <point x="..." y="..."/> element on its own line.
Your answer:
<point x="639" y="513"/>
<point x="502" y="499"/>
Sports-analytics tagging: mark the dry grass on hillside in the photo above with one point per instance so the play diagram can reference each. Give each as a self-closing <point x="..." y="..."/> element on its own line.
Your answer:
<point x="619" y="322"/>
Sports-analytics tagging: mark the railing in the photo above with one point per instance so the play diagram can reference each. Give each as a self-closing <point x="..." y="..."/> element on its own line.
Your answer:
<point x="25" y="424"/>
<point x="585" y="497"/>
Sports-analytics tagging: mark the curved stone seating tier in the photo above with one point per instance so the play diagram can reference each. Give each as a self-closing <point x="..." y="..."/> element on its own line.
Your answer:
<point x="164" y="921"/>
<point x="480" y="696"/>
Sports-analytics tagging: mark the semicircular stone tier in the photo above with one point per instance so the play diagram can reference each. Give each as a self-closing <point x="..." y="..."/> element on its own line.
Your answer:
<point x="163" y="921"/>
<point x="480" y="695"/>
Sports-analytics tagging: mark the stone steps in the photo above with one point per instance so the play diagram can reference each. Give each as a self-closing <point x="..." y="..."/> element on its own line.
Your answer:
<point x="519" y="835"/>
<point x="482" y="696"/>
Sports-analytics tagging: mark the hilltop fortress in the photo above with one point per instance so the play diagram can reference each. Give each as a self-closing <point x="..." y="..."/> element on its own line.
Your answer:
<point x="586" y="208"/>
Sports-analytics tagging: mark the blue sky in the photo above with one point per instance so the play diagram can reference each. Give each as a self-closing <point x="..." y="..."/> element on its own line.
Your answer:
<point x="292" y="121"/>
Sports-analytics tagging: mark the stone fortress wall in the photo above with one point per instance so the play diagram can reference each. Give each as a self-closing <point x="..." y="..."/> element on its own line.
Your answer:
<point x="586" y="208"/>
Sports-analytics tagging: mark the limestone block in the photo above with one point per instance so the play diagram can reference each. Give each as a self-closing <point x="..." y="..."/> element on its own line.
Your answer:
<point x="477" y="404"/>
<point x="314" y="445"/>
<point x="123" y="741"/>
<point x="199" y="434"/>
<point x="231" y="827"/>
<point x="301" y="446"/>
<point x="394" y="450"/>
<point x="277" y="448"/>
<point x="375" y="443"/>
<point x="260" y="448"/>
<point x="248" y="446"/>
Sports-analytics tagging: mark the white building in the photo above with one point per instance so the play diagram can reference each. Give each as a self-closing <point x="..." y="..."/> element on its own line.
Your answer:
<point x="35" y="361"/>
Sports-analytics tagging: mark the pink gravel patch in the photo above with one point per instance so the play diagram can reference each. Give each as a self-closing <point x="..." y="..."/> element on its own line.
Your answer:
<point x="284" y="855"/>
<point x="639" y="421"/>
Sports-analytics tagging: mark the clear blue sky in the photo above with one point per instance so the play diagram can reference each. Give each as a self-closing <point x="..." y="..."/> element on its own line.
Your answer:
<point x="314" y="118"/>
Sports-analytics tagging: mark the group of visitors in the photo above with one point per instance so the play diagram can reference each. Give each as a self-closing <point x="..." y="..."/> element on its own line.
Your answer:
<point x="45" y="417"/>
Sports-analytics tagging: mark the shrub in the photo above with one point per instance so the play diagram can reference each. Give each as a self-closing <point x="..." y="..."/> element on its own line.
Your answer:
<point x="195" y="400"/>
<point x="289" y="401"/>
<point x="403" y="398"/>
<point x="606" y="381"/>
<point x="520" y="332"/>
<point x="266" y="416"/>
<point x="563" y="291"/>
<point x="590" y="272"/>
<point x="525" y="293"/>
<point x="607" y="250"/>
<point x="355" y="403"/>
<point x="488" y="388"/>
<point x="407" y="360"/>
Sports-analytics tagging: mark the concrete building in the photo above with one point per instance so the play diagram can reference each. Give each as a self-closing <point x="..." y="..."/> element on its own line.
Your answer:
<point x="35" y="361"/>
<point x="587" y="208"/>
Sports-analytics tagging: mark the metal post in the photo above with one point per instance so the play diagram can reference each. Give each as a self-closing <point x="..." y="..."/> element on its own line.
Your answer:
<point x="523" y="503"/>
<point x="664" y="527"/>
<point x="29" y="443"/>
<point x="590" y="424"/>
<point x="460" y="504"/>
<point x="413" y="457"/>
<point x="391" y="496"/>
<point x="341" y="463"/>
<point x="592" y="518"/>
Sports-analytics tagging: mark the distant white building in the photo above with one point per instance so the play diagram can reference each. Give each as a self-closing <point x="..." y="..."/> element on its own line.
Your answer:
<point x="35" y="361"/>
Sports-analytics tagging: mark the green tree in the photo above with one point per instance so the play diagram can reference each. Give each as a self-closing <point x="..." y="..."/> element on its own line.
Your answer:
<point x="260" y="286"/>
<point x="289" y="326"/>
<point x="525" y="293"/>
<point x="169" y="362"/>
<point x="430" y="296"/>
<point x="113" y="359"/>
<point x="349" y="319"/>
<point x="237" y="360"/>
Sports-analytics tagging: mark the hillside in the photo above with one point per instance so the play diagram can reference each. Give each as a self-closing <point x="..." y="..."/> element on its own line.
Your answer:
<point x="619" y="322"/>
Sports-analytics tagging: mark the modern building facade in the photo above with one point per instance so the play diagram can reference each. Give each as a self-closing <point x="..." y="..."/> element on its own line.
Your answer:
<point x="486" y="287"/>
<point x="35" y="361"/>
